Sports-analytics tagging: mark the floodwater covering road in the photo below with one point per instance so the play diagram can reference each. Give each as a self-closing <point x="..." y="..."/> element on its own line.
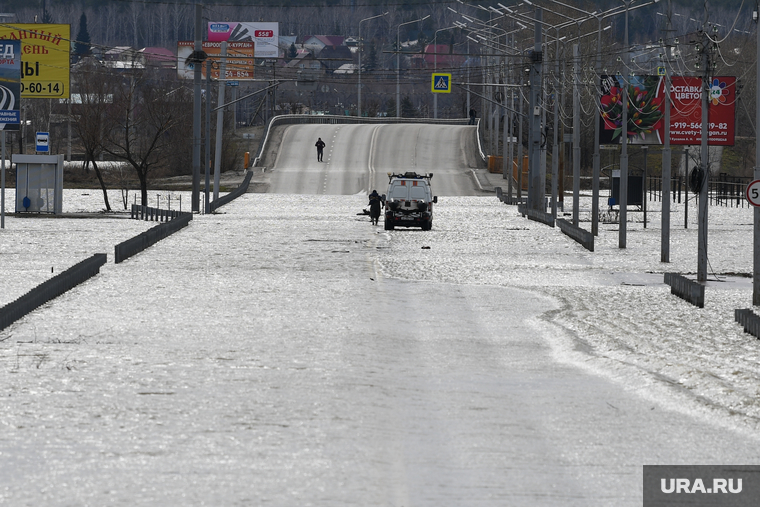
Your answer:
<point x="286" y="352"/>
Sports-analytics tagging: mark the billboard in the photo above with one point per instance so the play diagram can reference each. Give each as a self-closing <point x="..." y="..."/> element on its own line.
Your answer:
<point x="265" y="35"/>
<point x="45" y="56"/>
<point x="10" y="85"/>
<point x="646" y="110"/>
<point x="239" y="60"/>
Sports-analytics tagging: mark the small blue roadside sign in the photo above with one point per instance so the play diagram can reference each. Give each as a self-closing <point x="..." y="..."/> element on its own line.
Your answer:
<point x="43" y="142"/>
<point x="233" y="83"/>
<point x="441" y="82"/>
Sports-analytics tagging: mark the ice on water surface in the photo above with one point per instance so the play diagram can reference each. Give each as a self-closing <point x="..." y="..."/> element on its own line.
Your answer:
<point x="257" y="349"/>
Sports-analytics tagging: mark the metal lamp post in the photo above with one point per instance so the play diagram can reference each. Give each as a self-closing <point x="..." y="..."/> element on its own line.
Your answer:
<point x="361" y="49"/>
<point x="398" y="63"/>
<point x="435" y="64"/>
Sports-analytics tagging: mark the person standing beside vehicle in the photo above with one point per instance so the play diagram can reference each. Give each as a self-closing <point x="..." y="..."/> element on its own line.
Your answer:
<point x="320" y="147"/>
<point x="375" y="203"/>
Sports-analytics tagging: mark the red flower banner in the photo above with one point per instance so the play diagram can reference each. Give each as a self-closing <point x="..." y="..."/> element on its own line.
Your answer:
<point x="646" y="110"/>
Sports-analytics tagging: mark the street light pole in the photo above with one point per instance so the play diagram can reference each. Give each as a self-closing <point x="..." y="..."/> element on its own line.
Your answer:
<point x="361" y="49"/>
<point x="435" y="64"/>
<point x="623" y="216"/>
<point x="704" y="155"/>
<point x="756" y="211"/>
<point x="666" y="151"/>
<point x="398" y="63"/>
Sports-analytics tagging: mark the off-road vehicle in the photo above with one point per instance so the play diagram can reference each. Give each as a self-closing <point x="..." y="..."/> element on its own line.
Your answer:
<point x="409" y="201"/>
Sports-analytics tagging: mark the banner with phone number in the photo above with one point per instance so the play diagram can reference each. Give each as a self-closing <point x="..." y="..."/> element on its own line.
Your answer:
<point x="646" y="110"/>
<point x="45" y="56"/>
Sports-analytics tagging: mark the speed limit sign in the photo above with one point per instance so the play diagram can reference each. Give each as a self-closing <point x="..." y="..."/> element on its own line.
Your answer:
<point x="753" y="193"/>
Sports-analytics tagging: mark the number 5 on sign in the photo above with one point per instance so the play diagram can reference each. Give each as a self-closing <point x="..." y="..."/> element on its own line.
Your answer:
<point x="753" y="193"/>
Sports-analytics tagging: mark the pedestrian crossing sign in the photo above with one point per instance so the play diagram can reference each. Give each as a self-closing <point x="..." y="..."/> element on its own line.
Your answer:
<point x="441" y="83"/>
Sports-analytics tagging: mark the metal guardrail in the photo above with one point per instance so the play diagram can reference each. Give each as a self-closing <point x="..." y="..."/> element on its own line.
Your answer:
<point x="749" y="321"/>
<point x="688" y="290"/>
<point x="137" y="244"/>
<point x="582" y="236"/>
<point x="51" y="289"/>
<point x="243" y="188"/>
<point x="296" y="119"/>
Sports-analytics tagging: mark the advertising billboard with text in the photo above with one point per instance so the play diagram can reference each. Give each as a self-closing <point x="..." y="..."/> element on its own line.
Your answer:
<point x="10" y="85"/>
<point x="265" y="35"/>
<point x="646" y="110"/>
<point x="45" y="52"/>
<point x="239" y="60"/>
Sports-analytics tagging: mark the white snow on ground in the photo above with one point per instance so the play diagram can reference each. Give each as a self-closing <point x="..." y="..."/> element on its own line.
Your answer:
<point x="109" y="398"/>
<point x="626" y="324"/>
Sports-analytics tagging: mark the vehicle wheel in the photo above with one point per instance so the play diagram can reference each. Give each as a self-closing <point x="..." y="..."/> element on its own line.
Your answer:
<point x="427" y="226"/>
<point x="388" y="225"/>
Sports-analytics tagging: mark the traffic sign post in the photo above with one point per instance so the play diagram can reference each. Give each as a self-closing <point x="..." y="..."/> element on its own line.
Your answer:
<point x="43" y="142"/>
<point x="753" y="193"/>
<point x="441" y="82"/>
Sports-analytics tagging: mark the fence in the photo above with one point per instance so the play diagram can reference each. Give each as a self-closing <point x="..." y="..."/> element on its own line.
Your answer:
<point x="153" y="214"/>
<point x="133" y="246"/>
<point x="51" y="289"/>
<point x="243" y="188"/>
<point x="723" y="190"/>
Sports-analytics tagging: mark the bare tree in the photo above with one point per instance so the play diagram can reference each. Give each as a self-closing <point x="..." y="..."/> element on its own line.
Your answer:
<point x="139" y="125"/>
<point x="95" y="89"/>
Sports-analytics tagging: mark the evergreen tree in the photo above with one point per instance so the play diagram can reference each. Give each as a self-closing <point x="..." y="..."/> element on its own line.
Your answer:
<point x="371" y="56"/>
<point x="292" y="51"/>
<point x="407" y="108"/>
<point x="82" y="46"/>
<point x="390" y="107"/>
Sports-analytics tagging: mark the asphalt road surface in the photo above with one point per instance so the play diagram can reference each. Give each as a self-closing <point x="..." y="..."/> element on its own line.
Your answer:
<point x="357" y="158"/>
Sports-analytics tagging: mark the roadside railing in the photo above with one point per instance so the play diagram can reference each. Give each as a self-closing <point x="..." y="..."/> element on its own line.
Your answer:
<point x="148" y="213"/>
<point x="243" y="188"/>
<point x="51" y="289"/>
<point x="137" y="244"/>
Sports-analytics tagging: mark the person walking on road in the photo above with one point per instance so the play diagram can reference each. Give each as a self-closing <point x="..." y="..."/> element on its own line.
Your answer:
<point x="374" y="207"/>
<point x="320" y="147"/>
<point x="472" y="116"/>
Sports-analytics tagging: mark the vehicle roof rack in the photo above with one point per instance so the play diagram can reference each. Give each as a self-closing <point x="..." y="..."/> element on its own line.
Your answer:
<point x="410" y="175"/>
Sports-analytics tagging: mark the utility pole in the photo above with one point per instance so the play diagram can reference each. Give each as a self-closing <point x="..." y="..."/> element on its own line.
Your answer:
<point x="220" y="121"/>
<point x="207" y="140"/>
<point x="704" y="164"/>
<point x="535" y="186"/>
<point x="756" y="212"/>
<point x="197" y="63"/>
<point x="624" y="139"/>
<point x="666" y="154"/>
<point x="555" y="143"/>
<point x="507" y="170"/>
<point x="576" y="134"/>
<point x="520" y="118"/>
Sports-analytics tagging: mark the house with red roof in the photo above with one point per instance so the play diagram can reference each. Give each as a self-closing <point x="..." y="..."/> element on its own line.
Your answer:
<point x="438" y="56"/>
